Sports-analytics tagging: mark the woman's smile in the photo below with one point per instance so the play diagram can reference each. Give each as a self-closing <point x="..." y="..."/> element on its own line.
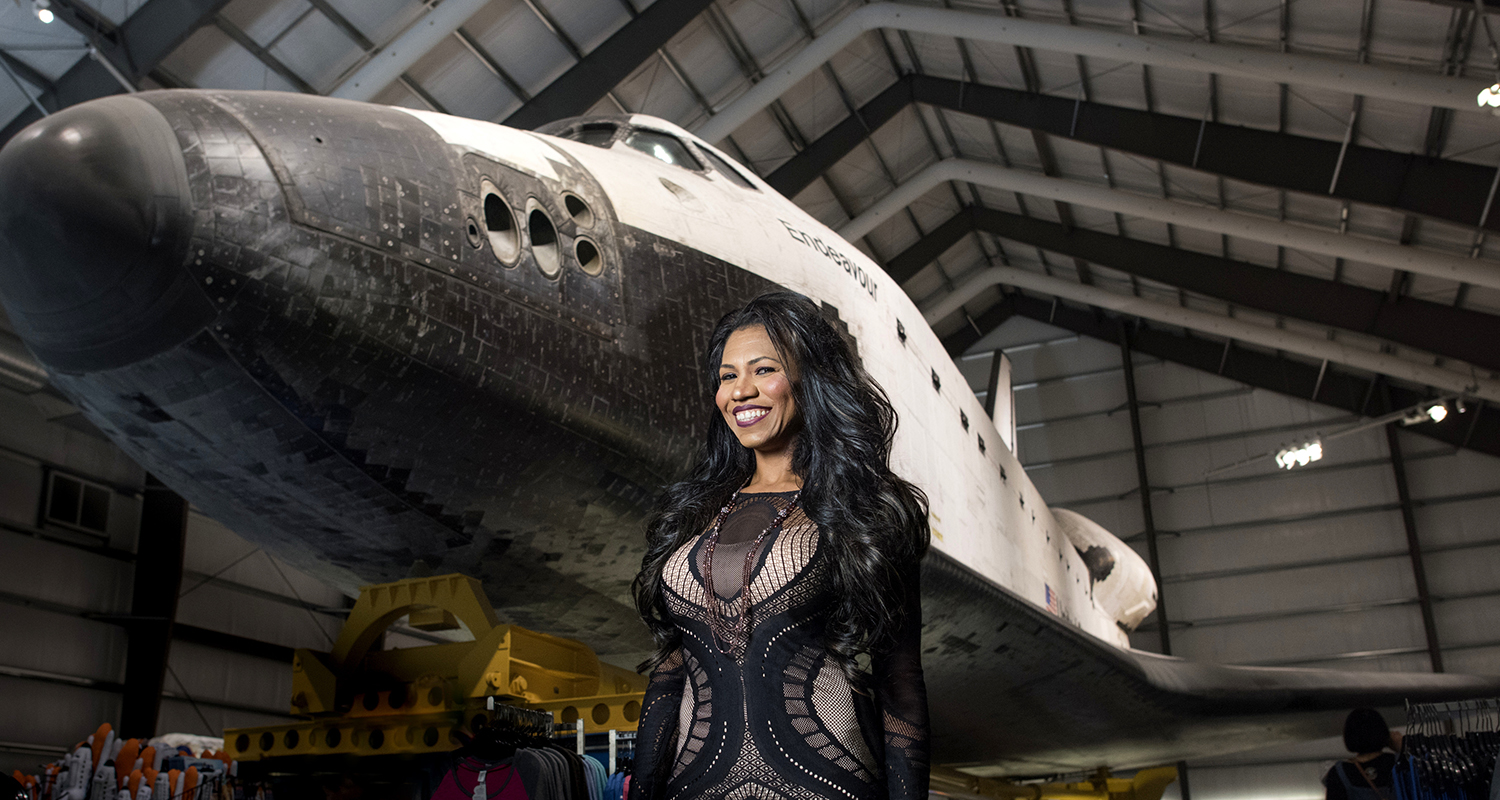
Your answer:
<point x="745" y="416"/>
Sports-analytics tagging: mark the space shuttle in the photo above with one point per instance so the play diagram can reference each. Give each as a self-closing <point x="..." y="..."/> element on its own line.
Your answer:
<point x="371" y="339"/>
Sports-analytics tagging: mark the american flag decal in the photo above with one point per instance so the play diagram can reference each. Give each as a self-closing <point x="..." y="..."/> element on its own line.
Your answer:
<point x="1052" y="602"/>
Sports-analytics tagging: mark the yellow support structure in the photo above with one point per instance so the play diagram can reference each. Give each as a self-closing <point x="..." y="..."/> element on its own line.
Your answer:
<point x="1147" y="784"/>
<point x="355" y="700"/>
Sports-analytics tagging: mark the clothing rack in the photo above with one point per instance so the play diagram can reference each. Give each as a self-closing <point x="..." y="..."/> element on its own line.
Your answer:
<point x="517" y="718"/>
<point x="570" y="729"/>
<point x="1457" y="718"/>
<point x="1449" y="751"/>
<point x="615" y="738"/>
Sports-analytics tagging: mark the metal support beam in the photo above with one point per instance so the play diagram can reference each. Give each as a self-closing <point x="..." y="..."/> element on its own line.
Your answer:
<point x="153" y="606"/>
<point x="1438" y="328"/>
<point x="1414" y="547"/>
<point x="1152" y="557"/>
<point x="1341" y="389"/>
<point x="588" y="81"/>
<point x="1429" y="186"/>
<point x="390" y="63"/>
<point x="1391" y="255"/>
<point x="1219" y="59"/>
<point x="1233" y="329"/>
<point x="137" y="48"/>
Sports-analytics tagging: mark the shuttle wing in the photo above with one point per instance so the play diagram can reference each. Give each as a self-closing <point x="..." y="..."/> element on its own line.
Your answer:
<point x="1014" y="691"/>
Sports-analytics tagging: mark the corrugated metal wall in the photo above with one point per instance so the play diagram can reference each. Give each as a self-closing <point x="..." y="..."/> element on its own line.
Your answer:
<point x="64" y="588"/>
<point x="1307" y="567"/>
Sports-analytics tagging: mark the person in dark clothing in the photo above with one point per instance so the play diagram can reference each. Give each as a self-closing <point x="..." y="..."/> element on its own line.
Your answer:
<point x="1366" y="776"/>
<point x="773" y="575"/>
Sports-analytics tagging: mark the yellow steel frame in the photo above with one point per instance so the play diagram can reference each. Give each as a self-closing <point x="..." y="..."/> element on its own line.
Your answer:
<point x="441" y="688"/>
<point x="1147" y="784"/>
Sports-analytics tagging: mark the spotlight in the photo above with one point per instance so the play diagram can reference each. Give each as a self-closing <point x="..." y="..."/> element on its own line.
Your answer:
<point x="1300" y="455"/>
<point x="1490" y="96"/>
<point x="1437" y="412"/>
<point x="43" y="11"/>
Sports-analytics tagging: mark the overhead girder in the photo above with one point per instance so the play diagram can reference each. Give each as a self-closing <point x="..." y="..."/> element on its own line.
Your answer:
<point x="1277" y="338"/>
<point x="137" y="48"/>
<point x="1478" y="429"/>
<point x="588" y="81"/>
<point x="390" y="62"/>
<point x="1442" y="329"/>
<point x="1351" y="77"/>
<point x="1433" y="187"/>
<point x="1391" y="255"/>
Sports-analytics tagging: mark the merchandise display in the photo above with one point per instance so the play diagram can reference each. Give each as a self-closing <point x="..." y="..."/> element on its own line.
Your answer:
<point x="105" y="766"/>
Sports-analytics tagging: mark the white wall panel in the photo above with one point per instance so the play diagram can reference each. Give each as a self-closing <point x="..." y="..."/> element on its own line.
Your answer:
<point x="1473" y="661"/>
<point x="1294" y="589"/>
<point x="1468" y="571"/>
<point x="64" y="644"/>
<point x="1302" y="638"/>
<point x="50" y="714"/>
<point x="1444" y="524"/>
<point x="1468" y="622"/>
<point x="57" y="573"/>
<point x="1463" y="472"/>
<point x="1350" y="536"/>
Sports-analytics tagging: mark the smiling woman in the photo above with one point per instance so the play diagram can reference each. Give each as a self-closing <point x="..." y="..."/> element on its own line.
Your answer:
<point x="790" y="552"/>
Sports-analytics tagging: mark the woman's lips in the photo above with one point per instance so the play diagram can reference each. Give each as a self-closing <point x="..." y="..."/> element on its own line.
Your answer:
<point x="745" y="416"/>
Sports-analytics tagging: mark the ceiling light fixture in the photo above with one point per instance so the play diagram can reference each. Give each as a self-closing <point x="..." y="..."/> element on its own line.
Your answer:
<point x="1300" y="455"/>
<point x="43" y="11"/>
<point x="1436" y="412"/>
<point x="1489" y="96"/>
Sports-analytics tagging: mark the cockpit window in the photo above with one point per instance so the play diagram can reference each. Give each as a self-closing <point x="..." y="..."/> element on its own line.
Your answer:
<point x="665" y="147"/>
<point x="728" y="170"/>
<point x="598" y="135"/>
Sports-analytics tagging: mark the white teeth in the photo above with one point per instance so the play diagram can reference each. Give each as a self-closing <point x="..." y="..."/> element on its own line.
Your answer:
<point x="750" y="414"/>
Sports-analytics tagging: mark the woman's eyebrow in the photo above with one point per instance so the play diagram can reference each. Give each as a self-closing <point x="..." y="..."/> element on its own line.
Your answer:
<point x="751" y="361"/>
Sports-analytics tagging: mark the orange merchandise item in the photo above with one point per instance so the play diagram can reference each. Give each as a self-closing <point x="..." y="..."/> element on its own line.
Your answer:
<point x="133" y="782"/>
<point x="98" y="743"/>
<point x="125" y="761"/>
<point x="190" y="784"/>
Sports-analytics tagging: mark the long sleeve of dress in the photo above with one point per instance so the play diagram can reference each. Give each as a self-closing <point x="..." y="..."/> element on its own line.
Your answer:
<point x="903" y="702"/>
<point x="656" y="735"/>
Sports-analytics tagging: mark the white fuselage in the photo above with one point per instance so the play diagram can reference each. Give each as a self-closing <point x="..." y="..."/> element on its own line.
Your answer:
<point x="985" y="512"/>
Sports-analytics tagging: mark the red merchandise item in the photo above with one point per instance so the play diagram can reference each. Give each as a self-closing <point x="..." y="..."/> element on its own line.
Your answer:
<point x="500" y="782"/>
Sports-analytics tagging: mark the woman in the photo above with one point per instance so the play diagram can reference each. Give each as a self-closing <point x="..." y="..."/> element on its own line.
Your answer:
<point x="1367" y="776"/>
<point x="762" y="693"/>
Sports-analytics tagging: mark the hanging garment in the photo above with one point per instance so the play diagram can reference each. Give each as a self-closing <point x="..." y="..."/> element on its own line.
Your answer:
<point x="771" y="714"/>
<point x="471" y="779"/>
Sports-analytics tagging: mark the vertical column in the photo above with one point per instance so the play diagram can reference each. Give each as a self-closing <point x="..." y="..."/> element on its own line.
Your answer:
<point x="1145" y="487"/>
<point x="1414" y="548"/>
<point x="153" y="606"/>
<point x="1150" y="521"/>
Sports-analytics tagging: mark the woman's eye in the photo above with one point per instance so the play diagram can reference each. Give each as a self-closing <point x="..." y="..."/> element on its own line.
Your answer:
<point x="764" y="370"/>
<point x="726" y="376"/>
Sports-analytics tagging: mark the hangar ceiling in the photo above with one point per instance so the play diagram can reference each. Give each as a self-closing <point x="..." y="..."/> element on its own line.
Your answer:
<point x="1189" y="182"/>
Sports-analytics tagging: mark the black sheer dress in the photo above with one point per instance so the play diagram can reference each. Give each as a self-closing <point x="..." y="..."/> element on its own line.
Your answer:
<point x="776" y="717"/>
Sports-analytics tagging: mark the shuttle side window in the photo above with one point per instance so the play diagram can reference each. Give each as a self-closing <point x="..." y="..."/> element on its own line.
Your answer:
<point x="728" y="170"/>
<point x="596" y="135"/>
<point x="664" y="147"/>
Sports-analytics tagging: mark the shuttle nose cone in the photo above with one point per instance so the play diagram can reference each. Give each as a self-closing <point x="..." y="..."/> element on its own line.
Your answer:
<point x="95" y="222"/>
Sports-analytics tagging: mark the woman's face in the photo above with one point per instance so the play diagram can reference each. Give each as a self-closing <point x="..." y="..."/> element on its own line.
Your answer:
<point x="755" y="390"/>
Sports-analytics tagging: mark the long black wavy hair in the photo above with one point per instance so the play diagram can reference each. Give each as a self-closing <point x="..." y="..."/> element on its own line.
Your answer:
<point x="873" y="522"/>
